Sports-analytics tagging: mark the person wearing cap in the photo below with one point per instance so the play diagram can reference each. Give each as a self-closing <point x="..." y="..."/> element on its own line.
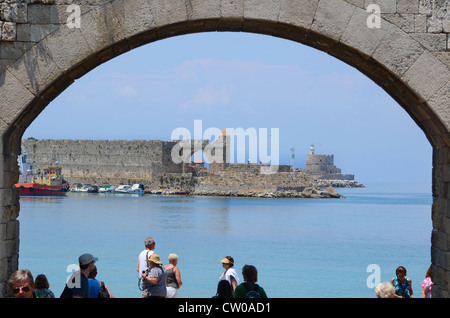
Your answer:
<point x="142" y="265"/>
<point x="155" y="279"/>
<point x="149" y="244"/>
<point x="230" y="273"/>
<point x="78" y="284"/>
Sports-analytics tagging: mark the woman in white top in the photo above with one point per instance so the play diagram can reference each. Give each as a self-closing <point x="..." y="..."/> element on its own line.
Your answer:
<point x="230" y="273"/>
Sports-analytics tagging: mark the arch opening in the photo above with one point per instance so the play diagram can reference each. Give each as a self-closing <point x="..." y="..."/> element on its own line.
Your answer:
<point x="208" y="122"/>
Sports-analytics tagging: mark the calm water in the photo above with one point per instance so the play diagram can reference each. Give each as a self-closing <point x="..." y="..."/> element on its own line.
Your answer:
<point x="301" y="247"/>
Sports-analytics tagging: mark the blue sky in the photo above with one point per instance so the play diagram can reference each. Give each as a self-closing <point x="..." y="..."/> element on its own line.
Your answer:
<point x="232" y="80"/>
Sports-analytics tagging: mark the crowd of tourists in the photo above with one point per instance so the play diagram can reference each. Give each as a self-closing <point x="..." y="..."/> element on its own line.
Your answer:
<point x="155" y="280"/>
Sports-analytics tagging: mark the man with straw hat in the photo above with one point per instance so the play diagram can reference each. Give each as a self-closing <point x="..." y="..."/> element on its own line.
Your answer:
<point x="154" y="278"/>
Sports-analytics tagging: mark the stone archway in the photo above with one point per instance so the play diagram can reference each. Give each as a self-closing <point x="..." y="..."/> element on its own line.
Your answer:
<point x="46" y="45"/>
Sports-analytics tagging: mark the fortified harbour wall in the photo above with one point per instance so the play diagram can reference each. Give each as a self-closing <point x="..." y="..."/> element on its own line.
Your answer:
<point x="149" y="162"/>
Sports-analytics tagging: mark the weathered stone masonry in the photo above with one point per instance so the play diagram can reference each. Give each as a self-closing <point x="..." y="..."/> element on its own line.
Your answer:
<point x="408" y="56"/>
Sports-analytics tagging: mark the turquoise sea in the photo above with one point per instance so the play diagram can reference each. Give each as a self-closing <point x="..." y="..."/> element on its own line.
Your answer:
<point x="319" y="248"/>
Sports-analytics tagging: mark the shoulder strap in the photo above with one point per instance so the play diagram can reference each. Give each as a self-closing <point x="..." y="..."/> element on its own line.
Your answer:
<point x="48" y="293"/>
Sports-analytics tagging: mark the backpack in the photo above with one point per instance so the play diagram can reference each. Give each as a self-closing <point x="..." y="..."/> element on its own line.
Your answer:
<point x="66" y="293"/>
<point x="252" y="293"/>
<point x="103" y="293"/>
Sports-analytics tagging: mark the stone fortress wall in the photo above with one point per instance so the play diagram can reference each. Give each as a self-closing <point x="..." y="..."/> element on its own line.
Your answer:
<point x="149" y="162"/>
<point x="105" y="161"/>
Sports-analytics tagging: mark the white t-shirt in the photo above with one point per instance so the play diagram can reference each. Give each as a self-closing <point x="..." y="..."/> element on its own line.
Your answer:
<point x="142" y="259"/>
<point x="230" y="272"/>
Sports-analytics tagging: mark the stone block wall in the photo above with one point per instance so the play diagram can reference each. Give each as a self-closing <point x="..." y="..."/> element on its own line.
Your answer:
<point x="104" y="161"/>
<point x="243" y="178"/>
<point x="9" y="225"/>
<point x="322" y="167"/>
<point x="321" y="163"/>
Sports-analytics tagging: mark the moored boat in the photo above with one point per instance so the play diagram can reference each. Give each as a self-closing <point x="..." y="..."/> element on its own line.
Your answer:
<point x="92" y="188"/>
<point x="49" y="182"/>
<point x="84" y="188"/>
<point x="106" y="189"/>
<point x="122" y="188"/>
<point x="77" y="187"/>
<point x="137" y="188"/>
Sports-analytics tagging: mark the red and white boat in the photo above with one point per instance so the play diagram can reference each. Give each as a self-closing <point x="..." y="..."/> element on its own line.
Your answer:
<point x="49" y="182"/>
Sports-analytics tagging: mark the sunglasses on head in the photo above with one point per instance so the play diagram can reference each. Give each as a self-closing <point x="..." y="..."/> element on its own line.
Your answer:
<point x="24" y="288"/>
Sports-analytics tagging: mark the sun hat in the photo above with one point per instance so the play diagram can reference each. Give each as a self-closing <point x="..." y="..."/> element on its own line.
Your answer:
<point x="155" y="259"/>
<point x="86" y="259"/>
<point x="227" y="261"/>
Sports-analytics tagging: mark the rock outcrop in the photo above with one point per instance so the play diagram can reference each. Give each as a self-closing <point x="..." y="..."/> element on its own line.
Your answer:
<point x="307" y="193"/>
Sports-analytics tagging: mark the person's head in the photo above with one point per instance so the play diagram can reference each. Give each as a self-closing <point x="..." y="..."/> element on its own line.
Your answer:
<point x="173" y="259"/>
<point x="154" y="260"/>
<point x="429" y="272"/>
<point x="86" y="262"/>
<point x="149" y="243"/>
<point x="385" y="290"/>
<point x="250" y="273"/>
<point x="41" y="282"/>
<point x="400" y="272"/>
<point x="224" y="289"/>
<point x="93" y="272"/>
<point x="227" y="262"/>
<point x="21" y="283"/>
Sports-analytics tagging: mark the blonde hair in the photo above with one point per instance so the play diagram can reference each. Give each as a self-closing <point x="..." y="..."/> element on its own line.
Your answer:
<point x="385" y="290"/>
<point x="173" y="257"/>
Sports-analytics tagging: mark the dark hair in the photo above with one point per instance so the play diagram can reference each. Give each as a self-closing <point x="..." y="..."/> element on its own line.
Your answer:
<point x="224" y="289"/>
<point x="41" y="282"/>
<point x="400" y="269"/>
<point x="93" y="273"/>
<point x="250" y="273"/>
<point x="84" y="266"/>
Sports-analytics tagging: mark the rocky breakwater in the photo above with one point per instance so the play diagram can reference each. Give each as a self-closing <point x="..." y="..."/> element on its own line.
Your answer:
<point x="307" y="193"/>
<point x="322" y="183"/>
